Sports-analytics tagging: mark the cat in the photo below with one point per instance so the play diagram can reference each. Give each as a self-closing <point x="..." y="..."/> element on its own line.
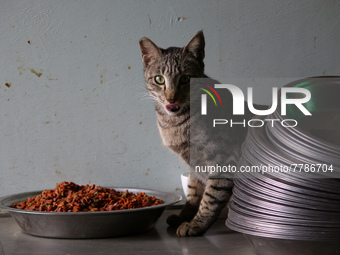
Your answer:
<point x="167" y="75"/>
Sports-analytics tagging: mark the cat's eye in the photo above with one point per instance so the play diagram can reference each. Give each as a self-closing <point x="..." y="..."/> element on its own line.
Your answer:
<point x="184" y="79"/>
<point x="159" y="79"/>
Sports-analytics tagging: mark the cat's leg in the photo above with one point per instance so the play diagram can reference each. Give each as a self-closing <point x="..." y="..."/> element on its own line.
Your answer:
<point x="195" y="191"/>
<point x="216" y="195"/>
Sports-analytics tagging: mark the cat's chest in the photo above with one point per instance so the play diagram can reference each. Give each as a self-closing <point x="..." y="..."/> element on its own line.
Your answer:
<point x="174" y="133"/>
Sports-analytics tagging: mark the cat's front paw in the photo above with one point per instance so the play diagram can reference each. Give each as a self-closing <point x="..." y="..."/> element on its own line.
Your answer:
<point x="174" y="220"/>
<point x="190" y="229"/>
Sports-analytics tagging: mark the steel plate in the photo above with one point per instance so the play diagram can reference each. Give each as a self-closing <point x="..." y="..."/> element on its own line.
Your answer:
<point x="282" y="246"/>
<point x="88" y="224"/>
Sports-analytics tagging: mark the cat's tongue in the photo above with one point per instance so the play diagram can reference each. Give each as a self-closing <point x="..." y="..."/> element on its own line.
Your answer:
<point x="172" y="107"/>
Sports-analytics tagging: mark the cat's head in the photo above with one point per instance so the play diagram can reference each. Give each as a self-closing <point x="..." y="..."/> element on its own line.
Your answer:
<point x="168" y="71"/>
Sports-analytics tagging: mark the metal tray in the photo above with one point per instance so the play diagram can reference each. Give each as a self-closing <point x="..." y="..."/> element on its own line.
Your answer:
<point x="269" y="246"/>
<point x="88" y="224"/>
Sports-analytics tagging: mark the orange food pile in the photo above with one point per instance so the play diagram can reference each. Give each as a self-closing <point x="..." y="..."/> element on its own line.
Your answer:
<point x="70" y="197"/>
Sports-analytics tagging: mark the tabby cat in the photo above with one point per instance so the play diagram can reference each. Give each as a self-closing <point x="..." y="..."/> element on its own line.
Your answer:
<point x="167" y="74"/>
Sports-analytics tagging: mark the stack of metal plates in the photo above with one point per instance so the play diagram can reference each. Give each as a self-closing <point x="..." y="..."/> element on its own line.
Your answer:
<point x="288" y="192"/>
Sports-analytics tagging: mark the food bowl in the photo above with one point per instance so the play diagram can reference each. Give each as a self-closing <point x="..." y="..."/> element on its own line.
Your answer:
<point x="100" y="224"/>
<point x="184" y="180"/>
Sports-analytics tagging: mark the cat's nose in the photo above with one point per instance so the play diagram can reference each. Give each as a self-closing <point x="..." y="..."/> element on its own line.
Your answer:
<point x="171" y="101"/>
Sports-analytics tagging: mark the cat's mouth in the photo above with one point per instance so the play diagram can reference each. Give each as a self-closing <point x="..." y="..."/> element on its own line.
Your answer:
<point x="172" y="107"/>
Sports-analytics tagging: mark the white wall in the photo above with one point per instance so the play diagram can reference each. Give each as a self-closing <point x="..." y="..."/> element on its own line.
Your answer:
<point x="75" y="109"/>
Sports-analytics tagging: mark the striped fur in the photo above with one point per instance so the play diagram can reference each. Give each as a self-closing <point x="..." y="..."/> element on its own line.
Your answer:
<point x="206" y="196"/>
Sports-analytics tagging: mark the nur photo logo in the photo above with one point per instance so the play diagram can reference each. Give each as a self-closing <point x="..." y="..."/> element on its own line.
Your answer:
<point x="204" y="97"/>
<point x="301" y="96"/>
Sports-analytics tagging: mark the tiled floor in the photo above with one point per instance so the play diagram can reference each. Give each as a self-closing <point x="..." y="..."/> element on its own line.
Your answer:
<point x="161" y="240"/>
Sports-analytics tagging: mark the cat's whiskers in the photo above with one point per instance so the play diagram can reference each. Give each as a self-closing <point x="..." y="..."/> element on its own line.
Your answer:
<point x="156" y="98"/>
<point x="145" y="97"/>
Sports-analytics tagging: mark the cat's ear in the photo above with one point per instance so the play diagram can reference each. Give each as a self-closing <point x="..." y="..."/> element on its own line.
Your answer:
<point x="149" y="51"/>
<point x="196" y="46"/>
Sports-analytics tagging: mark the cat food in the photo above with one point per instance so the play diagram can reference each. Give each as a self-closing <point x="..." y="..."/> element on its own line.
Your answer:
<point x="70" y="197"/>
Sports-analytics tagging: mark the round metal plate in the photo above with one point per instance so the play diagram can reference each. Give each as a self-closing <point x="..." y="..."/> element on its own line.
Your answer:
<point x="88" y="224"/>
